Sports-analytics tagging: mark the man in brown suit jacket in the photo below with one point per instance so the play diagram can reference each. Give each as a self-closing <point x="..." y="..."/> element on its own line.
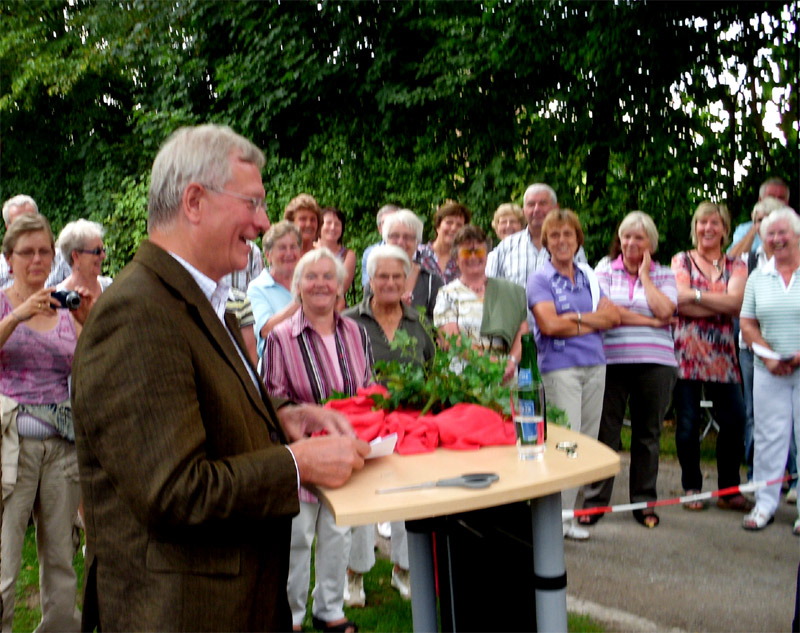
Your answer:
<point x="188" y="488"/>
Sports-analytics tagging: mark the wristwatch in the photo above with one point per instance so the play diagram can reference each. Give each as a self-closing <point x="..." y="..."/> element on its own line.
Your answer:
<point x="697" y="295"/>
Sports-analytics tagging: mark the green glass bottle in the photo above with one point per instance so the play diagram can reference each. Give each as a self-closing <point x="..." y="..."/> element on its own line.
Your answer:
<point x="529" y="381"/>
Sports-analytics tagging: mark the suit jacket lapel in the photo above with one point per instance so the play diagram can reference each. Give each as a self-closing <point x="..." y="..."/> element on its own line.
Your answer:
<point x="176" y="277"/>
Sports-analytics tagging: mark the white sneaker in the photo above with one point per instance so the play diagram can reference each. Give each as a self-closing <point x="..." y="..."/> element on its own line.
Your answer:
<point x="385" y="530"/>
<point x="354" y="595"/>
<point x="402" y="582"/>
<point x="574" y="531"/>
<point x="791" y="496"/>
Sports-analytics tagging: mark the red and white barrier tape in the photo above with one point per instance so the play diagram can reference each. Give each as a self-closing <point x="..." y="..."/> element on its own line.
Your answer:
<point x="700" y="496"/>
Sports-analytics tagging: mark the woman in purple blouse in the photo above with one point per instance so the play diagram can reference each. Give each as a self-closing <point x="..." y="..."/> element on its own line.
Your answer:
<point x="307" y="358"/>
<point x="570" y="311"/>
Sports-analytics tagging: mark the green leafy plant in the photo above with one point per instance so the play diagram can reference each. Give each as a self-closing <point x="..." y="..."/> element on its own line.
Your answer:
<point x="556" y="416"/>
<point x="457" y="373"/>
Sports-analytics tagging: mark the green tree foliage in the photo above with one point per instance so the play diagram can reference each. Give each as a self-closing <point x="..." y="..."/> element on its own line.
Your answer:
<point x="648" y="105"/>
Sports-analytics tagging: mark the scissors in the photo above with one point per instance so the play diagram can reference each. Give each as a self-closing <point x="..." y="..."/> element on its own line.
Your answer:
<point x="470" y="480"/>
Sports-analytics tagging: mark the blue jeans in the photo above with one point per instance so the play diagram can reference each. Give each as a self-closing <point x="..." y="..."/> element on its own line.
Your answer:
<point x="728" y="411"/>
<point x="746" y="365"/>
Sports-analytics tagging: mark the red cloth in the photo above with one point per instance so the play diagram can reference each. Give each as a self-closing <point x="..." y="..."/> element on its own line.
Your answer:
<point x="462" y="427"/>
<point x="469" y="426"/>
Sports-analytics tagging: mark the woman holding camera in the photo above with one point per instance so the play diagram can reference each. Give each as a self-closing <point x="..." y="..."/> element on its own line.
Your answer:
<point x="40" y="466"/>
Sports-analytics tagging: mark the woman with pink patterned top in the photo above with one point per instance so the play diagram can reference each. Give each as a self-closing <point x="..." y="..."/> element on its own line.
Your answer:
<point x="40" y="466"/>
<point x="710" y="291"/>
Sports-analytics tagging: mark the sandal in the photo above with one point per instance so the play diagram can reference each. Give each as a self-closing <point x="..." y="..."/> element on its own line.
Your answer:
<point x="737" y="502"/>
<point x="342" y="627"/>
<point x="756" y="520"/>
<point x="589" y="519"/>
<point x="647" y="518"/>
<point x="696" y="505"/>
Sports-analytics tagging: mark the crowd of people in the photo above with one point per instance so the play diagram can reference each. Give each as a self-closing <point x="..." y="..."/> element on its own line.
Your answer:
<point x="207" y="358"/>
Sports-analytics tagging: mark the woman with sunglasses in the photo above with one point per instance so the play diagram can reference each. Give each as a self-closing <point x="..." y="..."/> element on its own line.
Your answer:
<point x="491" y="312"/>
<point x="81" y="244"/>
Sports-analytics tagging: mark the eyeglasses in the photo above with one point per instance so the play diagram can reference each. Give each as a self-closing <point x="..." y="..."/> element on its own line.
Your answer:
<point x="100" y="250"/>
<point x="478" y="251"/>
<point x="28" y="253"/>
<point x="256" y="204"/>
<point x="402" y="237"/>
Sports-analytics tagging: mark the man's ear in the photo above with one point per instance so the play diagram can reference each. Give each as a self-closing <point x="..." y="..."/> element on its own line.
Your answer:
<point x="192" y="200"/>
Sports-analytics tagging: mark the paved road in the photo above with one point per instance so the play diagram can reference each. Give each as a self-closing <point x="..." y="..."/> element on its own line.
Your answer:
<point x="698" y="571"/>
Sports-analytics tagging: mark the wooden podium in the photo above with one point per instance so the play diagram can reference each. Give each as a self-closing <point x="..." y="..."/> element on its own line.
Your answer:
<point x="542" y="481"/>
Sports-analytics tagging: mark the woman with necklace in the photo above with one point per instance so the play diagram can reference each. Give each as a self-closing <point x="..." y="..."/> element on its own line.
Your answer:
<point x="769" y="320"/>
<point x="490" y="312"/>
<point x="37" y="343"/>
<point x="570" y="312"/>
<point x="640" y="354"/>
<point x="710" y="290"/>
<point x="437" y="255"/>
<point x="81" y="245"/>
<point x="383" y="313"/>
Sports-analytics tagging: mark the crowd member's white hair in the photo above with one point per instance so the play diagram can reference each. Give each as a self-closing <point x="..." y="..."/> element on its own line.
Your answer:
<point x="784" y="213"/>
<point x="536" y="188"/>
<point x="312" y="257"/>
<point x="194" y="154"/>
<point x="76" y="235"/>
<point x="384" y="211"/>
<point x="387" y="251"/>
<point x="640" y="220"/>
<point x="404" y="217"/>
<point x="766" y="206"/>
<point x="18" y="201"/>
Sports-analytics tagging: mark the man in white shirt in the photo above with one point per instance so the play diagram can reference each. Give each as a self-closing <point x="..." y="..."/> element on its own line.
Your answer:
<point x="521" y="254"/>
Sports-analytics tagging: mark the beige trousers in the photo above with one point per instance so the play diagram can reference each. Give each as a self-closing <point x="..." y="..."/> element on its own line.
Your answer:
<point x="47" y="486"/>
<point x="579" y="392"/>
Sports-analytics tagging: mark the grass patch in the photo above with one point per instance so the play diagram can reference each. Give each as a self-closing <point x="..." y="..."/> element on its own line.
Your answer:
<point x="386" y="611"/>
<point x="579" y="623"/>
<point x="27" y="610"/>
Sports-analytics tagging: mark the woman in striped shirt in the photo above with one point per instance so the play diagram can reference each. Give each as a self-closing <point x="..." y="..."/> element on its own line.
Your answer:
<point x="769" y="321"/>
<point x="641" y="367"/>
<point x="306" y="358"/>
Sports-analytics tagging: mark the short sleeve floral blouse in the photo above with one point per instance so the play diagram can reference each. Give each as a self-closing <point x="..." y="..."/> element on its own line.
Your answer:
<point x="705" y="346"/>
